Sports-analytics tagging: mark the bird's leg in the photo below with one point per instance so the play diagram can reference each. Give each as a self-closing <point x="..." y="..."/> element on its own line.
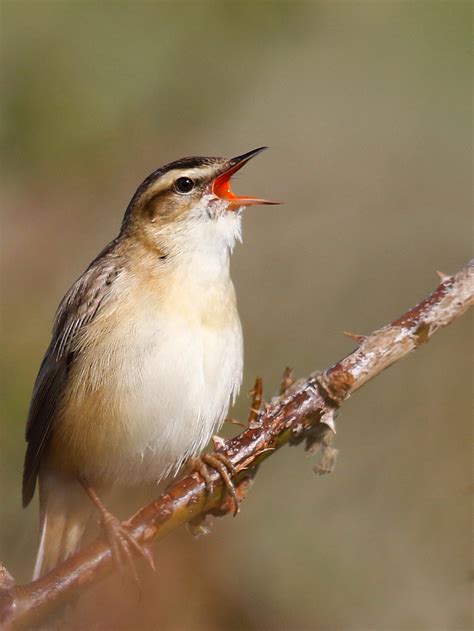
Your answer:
<point x="220" y="463"/>
<point x="119" y="536"/>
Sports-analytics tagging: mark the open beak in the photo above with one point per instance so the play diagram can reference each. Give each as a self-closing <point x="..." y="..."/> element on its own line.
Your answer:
<point x="221" y="185"/>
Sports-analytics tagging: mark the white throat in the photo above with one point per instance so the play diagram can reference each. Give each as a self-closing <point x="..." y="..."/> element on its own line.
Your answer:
<point x="203" y="245"/>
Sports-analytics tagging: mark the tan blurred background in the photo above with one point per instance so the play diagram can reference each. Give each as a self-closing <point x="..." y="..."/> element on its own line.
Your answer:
<point x="366" y="108"/>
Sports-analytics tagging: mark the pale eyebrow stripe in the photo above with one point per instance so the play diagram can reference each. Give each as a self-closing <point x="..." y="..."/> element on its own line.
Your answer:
<point x="167" y="180"/>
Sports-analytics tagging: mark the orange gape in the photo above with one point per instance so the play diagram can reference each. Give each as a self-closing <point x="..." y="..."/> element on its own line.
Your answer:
<point x="221" y="188"/>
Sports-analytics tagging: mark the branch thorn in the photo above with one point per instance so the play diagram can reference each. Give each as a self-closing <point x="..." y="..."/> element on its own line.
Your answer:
<point x="6" y="579"/>
<point x="287" y="380"/>
<point x="234" y="421"/>
<point x="256" y="393"/>
<point x="355" y="336"/>
<point x="218" y="442"/>
<point x="329" y="420"/>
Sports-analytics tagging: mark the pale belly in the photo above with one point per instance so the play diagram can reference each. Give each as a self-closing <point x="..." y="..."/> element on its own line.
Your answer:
<point x="148" y="395"/>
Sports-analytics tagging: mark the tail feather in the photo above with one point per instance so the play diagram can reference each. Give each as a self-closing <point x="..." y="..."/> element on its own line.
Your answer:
<point x="65" y="510"/>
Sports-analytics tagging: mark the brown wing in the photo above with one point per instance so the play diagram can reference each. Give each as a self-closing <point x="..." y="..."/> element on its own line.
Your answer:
<point x="78" y="307"/>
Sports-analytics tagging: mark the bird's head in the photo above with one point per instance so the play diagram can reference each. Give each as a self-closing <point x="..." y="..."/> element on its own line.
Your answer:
<point x="190" y="201"/>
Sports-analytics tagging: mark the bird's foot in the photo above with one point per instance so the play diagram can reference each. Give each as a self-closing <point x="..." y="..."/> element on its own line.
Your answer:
<point x="123" y="543"/>
<point x="220" y="463"/>
<point x="120" y="538"/>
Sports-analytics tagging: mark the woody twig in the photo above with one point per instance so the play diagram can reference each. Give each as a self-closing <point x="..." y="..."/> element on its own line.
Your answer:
<point x="304" y="412"/>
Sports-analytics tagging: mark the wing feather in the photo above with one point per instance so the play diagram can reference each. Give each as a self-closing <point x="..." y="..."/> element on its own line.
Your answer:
<point x="78" y="308"/>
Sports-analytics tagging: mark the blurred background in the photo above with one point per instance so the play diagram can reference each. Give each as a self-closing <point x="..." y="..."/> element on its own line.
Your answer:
<point x="366" y="109"/>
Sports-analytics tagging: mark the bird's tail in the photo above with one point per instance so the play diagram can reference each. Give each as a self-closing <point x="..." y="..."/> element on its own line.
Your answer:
<point x="65" y="510"/>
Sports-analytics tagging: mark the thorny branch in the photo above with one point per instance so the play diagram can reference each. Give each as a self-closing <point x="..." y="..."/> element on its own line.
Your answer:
<point x="303" y="412"/>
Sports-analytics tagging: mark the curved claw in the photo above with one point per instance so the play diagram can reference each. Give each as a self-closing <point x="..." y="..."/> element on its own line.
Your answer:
<point x="121" y="540"/>
<point x="123" y="543"/>
<point x="224" y="467"/>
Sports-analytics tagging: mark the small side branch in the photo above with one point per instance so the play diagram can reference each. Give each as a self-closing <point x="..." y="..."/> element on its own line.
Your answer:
<point x="303" y="412"/>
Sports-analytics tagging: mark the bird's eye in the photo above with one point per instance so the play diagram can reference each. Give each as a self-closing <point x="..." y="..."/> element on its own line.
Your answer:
<point x="184" y="185"/>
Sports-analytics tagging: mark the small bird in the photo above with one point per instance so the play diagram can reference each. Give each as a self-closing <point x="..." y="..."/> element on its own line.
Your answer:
<point x="146" y="354"/>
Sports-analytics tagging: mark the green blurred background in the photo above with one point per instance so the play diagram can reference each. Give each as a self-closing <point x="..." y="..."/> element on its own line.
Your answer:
<point x="366" y="108"/>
